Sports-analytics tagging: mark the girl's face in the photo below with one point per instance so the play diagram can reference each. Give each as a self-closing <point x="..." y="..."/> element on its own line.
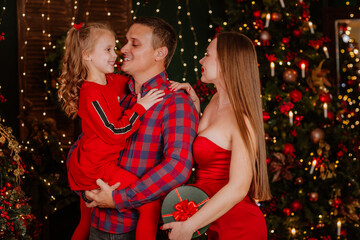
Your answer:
<point x="102" y="57"/>
<point x="210" y="69"/>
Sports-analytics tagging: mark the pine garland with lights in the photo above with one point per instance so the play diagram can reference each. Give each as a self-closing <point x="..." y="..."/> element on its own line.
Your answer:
<point x="313" y="162"/>
<point x="16" y="220"/>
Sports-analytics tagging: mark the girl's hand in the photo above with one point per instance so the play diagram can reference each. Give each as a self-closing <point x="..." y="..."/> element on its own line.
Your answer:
<point x="175" y="86"/>
<point x="178" y="230"/>
<point x="151" y="97"/>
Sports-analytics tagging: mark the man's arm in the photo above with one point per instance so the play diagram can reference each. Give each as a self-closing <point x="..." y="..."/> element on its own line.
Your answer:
<point x="180" y="122"/>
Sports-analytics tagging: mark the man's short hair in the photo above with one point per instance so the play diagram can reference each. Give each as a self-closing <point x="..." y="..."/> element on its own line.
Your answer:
<point x="164" y="35"/>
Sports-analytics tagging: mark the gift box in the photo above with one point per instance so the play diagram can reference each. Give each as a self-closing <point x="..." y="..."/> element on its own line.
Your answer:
<point x="183" y="202"/>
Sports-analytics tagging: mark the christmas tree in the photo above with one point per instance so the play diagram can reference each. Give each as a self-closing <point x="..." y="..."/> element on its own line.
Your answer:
<point x="313" y="161"/>
<point x="16" y="218"/>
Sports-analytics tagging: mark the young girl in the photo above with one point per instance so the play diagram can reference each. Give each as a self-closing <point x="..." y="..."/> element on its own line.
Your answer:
<point x="90" y="90"/>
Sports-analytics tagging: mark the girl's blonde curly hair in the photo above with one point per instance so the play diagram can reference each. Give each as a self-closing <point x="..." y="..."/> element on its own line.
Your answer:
<point x="74" y="69"/>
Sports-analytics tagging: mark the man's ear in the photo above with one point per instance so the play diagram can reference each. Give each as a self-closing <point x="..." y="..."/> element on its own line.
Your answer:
<point x="161" y="53"/>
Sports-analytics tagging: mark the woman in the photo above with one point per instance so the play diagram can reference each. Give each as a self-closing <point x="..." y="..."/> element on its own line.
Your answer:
<point x="230" y="146"/>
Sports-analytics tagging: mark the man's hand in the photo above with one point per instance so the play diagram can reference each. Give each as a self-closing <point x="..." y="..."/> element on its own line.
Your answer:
<point x="102" y="197"/>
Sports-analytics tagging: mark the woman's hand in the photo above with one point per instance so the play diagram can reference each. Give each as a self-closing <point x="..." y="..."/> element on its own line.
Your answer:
<point x="178" y="230"/>
<point x="175" y="86"/>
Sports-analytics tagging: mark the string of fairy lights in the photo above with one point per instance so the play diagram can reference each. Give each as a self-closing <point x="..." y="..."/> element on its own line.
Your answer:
<point x="353" y="52"/>
<point x="2" y="35"/>
<point x="3" y="8"/>
<point x="46" y="49"/>
<point x="180" y="8"/>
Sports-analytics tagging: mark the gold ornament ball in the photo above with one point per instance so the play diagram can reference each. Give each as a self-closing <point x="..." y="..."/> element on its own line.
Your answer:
<point x="316" y="135"/>
<point x="265" y="36"/>
<point x="313" y="196"/>
<point x="275" y="16"/>
<point x="290" y="76"/>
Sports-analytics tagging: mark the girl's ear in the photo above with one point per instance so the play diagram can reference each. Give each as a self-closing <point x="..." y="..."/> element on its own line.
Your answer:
<point x="161" y="53"/>
<point x="86" y="56"/>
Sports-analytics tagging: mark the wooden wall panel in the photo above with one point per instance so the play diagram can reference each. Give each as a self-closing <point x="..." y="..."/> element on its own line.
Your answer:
<point x="40" y="24"/>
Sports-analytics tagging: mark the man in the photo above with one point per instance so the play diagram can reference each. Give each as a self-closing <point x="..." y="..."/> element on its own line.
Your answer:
<point x="160" y="152"/>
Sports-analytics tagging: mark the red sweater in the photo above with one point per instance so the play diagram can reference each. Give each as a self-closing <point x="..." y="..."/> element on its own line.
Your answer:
<point x="105" y="132"/>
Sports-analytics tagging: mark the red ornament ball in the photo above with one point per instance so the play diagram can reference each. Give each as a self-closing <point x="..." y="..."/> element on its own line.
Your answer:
<point x="343" y="232"/>
<point x="290" y="76"/>
<point x="324" y="97"/>
<point x="285" y="40"/>
<point x="275" y="16"/>
<point x="295" y="95"/>
<point x="266" y="116"/>
<point x="257" y="14"/>
<point x="331" y="116"/>
<point x="297" y="33"/>
<point x="317" y="135"/>
<point x="287" y="212"/>
<point x="296" y="206"/>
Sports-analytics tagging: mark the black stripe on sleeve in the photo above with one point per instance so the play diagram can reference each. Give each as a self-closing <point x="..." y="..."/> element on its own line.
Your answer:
<point x="109" y="125"/>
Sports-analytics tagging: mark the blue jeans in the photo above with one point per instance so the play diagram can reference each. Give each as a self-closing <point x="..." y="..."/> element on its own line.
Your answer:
<point x="96" y="234"/>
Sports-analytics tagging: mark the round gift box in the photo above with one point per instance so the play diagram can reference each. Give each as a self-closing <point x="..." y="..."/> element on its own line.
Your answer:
<point x="183" y="202"/>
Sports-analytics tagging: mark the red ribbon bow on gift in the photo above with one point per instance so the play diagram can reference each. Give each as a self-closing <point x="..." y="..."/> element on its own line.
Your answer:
<point x="185" y="209"/>
<point x="78" y="26"/>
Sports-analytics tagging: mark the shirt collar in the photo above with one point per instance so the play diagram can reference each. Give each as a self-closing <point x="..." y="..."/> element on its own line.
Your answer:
<point x="154" y="82"/>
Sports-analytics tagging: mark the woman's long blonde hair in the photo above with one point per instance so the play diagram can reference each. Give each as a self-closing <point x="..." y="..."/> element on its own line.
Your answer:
<point x="74" y="69"/>
<point x="239" y="67"/>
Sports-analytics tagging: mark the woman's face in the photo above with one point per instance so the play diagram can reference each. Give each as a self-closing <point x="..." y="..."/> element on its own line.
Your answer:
<point x="210" y="69"/>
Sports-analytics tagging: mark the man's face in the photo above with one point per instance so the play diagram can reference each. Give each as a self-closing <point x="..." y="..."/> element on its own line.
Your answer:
<point x="138" y="52"/>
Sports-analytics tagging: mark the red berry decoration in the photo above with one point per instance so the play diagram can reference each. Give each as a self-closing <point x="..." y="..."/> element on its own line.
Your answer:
<point x="313" y="196"/>
<point x="296" y="206"/>
<point x="286" y="212"/>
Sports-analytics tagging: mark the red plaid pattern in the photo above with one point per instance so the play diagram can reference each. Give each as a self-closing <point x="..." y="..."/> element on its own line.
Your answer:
<point x="159" y="153"/>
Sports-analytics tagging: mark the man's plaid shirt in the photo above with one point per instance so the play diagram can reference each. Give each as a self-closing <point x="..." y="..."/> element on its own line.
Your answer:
<point x="159" y="153"/>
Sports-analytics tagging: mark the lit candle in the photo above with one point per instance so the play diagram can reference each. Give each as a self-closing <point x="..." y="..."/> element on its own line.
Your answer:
<point x="293" y="231"/>
<point x="291" y="118"/>
<point x="313" y="167"/>
<point x="267" y="20"/>
<point x="272" y="68"/>
<point x="303" y="70"/>
<point x="282" y="3"/>
<point x="325" y="110"/>
<point x="326" y="52"/>
<point x="338" y="227"/>
<point x="311" y="27"/>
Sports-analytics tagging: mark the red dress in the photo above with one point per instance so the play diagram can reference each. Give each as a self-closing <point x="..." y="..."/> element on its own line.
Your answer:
<point x="244" y="220"/>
